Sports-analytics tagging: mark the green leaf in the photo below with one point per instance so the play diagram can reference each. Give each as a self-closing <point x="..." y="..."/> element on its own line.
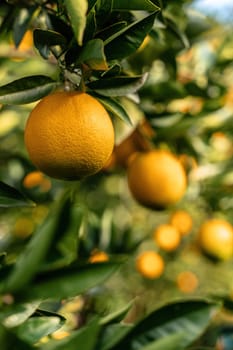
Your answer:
<point x="188" y="318"/>
<point x="9" y="341"/>
<point x="13" y="316"/>
<point x="115" y="108"/>
<point x="168" y="342"/>
<point x="69" y="282"/>
<point x="118" y="315"/>
<point x="86" y="337"/>
<point x="35" y="328"/>
<point x="21" y="23"/>
<point x="113" y="334"/>
<point x="128" y="40"/>
<point x="44" y="39"/>
<point x="129" y="5"/>
<point x="31" y="258"/>
<point x="12" y="198"/>
<point x="93" y="55"/>
<point x="27" y="89"/>
<point x="77" y="10"/>
<point x="118" y="86"/>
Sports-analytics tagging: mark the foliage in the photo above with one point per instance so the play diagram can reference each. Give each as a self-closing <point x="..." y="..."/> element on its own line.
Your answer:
<point x="155" y="62"/>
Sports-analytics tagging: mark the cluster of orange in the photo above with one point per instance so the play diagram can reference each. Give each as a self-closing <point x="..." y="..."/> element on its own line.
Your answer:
<point x="167" y="237"/>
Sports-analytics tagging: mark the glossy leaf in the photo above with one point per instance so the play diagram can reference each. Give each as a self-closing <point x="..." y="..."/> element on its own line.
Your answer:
<point x="129" y="5"/>
<point x="45" y="39"/>
<point x="86" y="337"/>
<point x="35" y="328"/>
<point x="26" y="90"/>
<point x="10" y="197"/>
<point x="128" y="40"/>
<point x="70" y="281"/>
<point x="189" y="317"/>
<point x="77" y="10"/>
<point x="21" y="23"/>
<point x="118" y="86"/>
<point x="115" y="108"/>
<point x="93" y="55"/>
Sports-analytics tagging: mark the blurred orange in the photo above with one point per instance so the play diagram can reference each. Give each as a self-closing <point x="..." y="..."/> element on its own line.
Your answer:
<point x="150" y="264"/>
<point x="182" y="221"/>
<point x="167" y="237"/>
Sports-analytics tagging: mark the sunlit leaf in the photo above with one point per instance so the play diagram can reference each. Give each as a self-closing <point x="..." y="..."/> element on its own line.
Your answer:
<point x="77" y="10"/>
<point x="15" y="315"/>
<point x="36" y="327"/>
<point x="93" y="55"/>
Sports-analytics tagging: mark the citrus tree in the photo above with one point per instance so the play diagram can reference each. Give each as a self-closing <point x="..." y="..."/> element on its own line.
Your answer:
<point x="116" y="176"/>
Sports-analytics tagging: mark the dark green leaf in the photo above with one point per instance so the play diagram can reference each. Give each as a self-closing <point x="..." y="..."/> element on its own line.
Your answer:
<point x="11" y="197"/>
<point x="45" y="39"/>
<point x="86" y="337"/>
<point x="26" y="90"/>
<point x="21" y="23"/>
<point x="118" y="86"/>
<point x="129" y="5"/>
<point x="93" y="55"/>
<point x="128" y="40"/>
<point x="9" y="341"/>
<point x="178" y="32"/>
<point x="77" y="10"/>
<point x="188" y="318"/>
<point x="118" y="315"/>
<point x="111" y="30"/>
<point x="69" y="282"/>
<point x="35" y="328"/>
<point x="114" y="108"/>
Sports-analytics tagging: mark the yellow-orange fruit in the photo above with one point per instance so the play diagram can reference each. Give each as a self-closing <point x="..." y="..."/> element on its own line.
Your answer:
<point x="187" y="281"/>
<point x="216" y="238"/>
<point x="98" y="256"/>
<point x="167" y="237"/>
<point x="150" y="264"/>
<point x="69" y="135"/>
<point x="182" y="220"/>
<point x="156" y="179"/>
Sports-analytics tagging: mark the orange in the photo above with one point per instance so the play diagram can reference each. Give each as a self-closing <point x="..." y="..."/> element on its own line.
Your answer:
<point x="150" y="264"/>
<point x="33" y="179"/>
<point x="216" y="238"/>
<point x="156" y="179"/>
<point x="187" y="281"/>
<point x="25" y="46"/>
<point x="98" y="256"/>
<point x="182" y="221"/>
<point x="167" y="237"/>
<point x="69" y="135"/>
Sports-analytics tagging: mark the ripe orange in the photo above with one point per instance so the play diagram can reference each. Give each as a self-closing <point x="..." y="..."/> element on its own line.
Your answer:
<point x="37" y="179"/>
<point x="182" y="220"/>
<point x="69" y="135"/>
<point x="98" y="256"/>
<point x="167" y="237"/>
<point x="187" y="281"/>
<point x="150" y="264"/>
<point x="156" y="179"/>
<point x="216" y="238"/>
